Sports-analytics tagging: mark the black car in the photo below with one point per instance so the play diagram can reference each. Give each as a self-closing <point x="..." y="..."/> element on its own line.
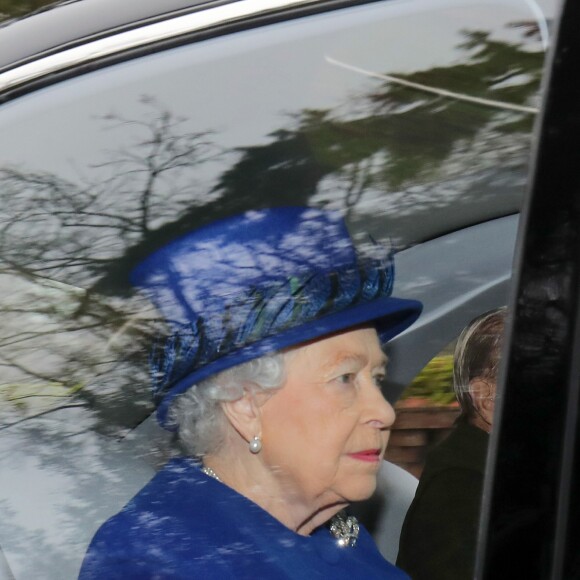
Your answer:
<point x="126" y="124"/>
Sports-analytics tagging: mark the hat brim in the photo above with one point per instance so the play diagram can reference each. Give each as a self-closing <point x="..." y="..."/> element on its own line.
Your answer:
<point x="389" y="315"/>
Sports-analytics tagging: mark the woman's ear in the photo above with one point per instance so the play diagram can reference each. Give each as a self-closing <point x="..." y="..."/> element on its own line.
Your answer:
<point x="244" y="415"/>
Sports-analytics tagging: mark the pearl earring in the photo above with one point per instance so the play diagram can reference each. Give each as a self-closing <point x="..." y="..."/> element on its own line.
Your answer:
<point x="256" y="445"/>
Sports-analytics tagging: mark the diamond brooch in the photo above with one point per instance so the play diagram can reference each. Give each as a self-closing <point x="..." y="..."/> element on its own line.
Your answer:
<point x="345" y="529"/>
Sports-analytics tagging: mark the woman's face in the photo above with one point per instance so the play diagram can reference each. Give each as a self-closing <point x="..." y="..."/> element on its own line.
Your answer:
<point x="324" y="433"/>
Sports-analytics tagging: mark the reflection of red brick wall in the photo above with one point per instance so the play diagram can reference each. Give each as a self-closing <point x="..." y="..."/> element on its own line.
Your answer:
<point x="416" y="429"/>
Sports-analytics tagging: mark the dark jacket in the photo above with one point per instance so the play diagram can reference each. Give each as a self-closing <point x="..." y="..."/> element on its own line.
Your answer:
<point x="184" y="524"/>
<point x="438" y="538"/>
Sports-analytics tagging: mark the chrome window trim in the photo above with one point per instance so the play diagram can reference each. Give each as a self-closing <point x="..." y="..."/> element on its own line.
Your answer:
<point x="139" y="37"/>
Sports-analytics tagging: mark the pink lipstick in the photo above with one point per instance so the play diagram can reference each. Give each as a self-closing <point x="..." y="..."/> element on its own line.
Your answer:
<point x="370" y="455"/>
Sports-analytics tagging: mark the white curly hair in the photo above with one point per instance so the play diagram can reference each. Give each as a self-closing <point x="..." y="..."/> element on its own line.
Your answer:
<point x="198" y="413"/>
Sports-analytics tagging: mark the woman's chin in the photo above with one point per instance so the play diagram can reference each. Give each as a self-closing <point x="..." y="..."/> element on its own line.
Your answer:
<point x="363" y="489"/>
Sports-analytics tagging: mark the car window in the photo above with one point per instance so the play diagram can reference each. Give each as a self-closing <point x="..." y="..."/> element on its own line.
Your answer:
<point x="426" y="411"/>
<point x="423" y="146"/>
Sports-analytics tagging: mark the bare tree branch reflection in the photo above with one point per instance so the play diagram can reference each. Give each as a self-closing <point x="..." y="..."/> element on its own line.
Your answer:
<point x="57" y="239"/>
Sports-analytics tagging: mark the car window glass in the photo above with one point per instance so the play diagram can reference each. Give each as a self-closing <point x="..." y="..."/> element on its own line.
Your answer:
<point x="425" y="149"/>
<point x="426" y="412"/>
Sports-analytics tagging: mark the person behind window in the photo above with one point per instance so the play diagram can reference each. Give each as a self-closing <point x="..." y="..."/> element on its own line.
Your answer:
<point x="271" y="377"/>
<point x="438" y="538"/>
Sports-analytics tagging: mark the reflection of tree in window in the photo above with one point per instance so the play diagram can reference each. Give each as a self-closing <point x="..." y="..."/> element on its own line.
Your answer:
<point x="58" y="238"/>
<point x="407" y="150"/>
<point x="399" y="152"/>
<point x="18" y="8"/>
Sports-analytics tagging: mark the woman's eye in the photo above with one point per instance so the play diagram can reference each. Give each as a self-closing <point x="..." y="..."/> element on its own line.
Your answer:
<point x="346" y="379"/>
<point x="379" y="380"/>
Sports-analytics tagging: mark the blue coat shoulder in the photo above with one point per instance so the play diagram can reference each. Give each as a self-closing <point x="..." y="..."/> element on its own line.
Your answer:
<point x="183" y="524"/>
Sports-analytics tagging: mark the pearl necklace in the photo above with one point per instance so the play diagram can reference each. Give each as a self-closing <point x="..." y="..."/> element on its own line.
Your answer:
<point x="209" y="471"/>
<point x="342" y="527"/>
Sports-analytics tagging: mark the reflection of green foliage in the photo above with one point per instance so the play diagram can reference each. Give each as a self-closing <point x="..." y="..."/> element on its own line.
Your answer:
<point x="434" y="383"/>
<point x="411" y="131"/>
<point x="16" y="8"/>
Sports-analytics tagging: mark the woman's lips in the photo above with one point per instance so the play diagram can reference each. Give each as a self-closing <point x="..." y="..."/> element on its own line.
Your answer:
<point x="370" y="455"/>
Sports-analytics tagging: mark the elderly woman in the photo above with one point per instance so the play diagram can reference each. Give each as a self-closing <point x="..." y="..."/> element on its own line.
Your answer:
<point x="272" y="377"/>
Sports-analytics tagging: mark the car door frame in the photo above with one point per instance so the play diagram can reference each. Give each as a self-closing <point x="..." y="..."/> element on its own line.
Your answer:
<point x="530" y="521"/>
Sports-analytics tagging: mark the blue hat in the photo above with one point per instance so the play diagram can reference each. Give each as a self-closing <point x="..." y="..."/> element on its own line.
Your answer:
<point x="259" y="282"/>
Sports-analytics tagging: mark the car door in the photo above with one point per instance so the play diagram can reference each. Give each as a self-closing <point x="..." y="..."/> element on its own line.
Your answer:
<point x="411" y="117"/>
<point x="532" y="522"/>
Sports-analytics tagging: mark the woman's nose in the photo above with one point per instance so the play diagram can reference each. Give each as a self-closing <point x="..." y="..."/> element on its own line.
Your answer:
<point x="378" y="411"/>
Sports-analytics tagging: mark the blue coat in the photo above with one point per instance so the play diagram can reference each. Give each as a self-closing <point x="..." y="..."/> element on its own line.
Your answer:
<point x="184" y="524"/>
